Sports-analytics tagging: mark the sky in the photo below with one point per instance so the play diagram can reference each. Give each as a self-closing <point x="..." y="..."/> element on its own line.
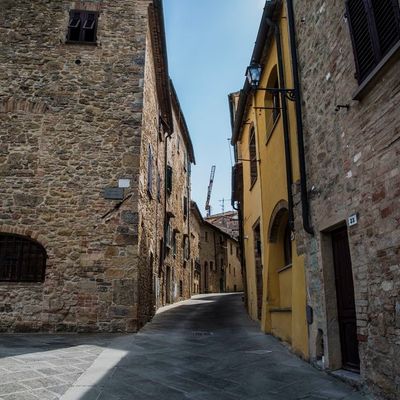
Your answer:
<point x="210" y="43"/>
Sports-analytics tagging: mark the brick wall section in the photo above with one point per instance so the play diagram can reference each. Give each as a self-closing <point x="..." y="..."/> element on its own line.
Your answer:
<point x="67" y="132"/>
<point x="353" y="163"/>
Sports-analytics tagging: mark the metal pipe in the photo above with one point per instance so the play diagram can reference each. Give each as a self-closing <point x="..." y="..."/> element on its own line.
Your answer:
<point x="300" y="134"/>
<point x="285" y="120"/>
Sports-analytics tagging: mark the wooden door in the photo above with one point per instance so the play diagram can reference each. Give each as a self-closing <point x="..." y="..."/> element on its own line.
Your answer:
<point x="345" y="299"/>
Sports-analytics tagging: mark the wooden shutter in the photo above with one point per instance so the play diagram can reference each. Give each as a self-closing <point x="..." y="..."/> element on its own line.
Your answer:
<point x="386" y="15"/>
<point x="361" y="30"/>
<point x="150" y="171"/>
<point x="253" y="157"/>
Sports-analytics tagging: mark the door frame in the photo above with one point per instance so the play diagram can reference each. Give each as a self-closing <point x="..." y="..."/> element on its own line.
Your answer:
<point x="331" y="332"/>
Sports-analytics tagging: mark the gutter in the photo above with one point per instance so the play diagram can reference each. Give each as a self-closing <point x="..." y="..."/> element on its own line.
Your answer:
<point x="299" y="119"/>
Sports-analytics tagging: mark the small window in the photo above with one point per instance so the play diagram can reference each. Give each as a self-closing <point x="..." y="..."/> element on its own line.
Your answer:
<point x="186" y="251"/>
<point x="253" y="157"/>
<point x="82" y="26"/>
<point x="150" y="172"/>
<point x="168" y="235"/>
<point x="276" y="104"/>
<point x="21" y="259"/>
<point x="169" y="179"/>
<point x="158" y="187"/>
<point x="287" y="246"/>
<point x="180" y="288"/>
<point x="174" y="243"/>
<point x="375" y="29"/>
<point x="211" y="265"/>
<point x="206" y="236"/>
<point x="185" y="207"/>
<point x="231" y="247"/>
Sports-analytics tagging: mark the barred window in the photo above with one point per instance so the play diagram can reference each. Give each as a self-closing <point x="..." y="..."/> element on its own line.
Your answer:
<point x="82" y="26"/>
<point x="375" y="29"/>
<point x="21" y="259"/>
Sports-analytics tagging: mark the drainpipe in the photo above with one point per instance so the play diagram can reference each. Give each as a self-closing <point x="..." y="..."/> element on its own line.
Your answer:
<point x="285" y="119"/>
<point x="299" y="119"/>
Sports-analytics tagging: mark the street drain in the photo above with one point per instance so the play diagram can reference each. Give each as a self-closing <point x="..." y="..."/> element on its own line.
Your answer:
<point x="201" y="333"/>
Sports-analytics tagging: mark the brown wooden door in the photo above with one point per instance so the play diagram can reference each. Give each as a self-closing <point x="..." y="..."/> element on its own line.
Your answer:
<point x="345" y="299"/>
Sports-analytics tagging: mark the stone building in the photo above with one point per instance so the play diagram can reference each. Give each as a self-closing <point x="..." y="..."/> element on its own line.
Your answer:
<point x="349" y="68"/>
<point x="86" y="115"/>
<point x="196" y="221"/>
<point x="343" y="83"/>
<point x="228" y="221"/>
<point x="176" y="273"/>
<point x="218" y="266"/>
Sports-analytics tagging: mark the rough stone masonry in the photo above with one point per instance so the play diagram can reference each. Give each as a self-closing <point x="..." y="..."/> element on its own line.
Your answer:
<point x="70" y="128"/>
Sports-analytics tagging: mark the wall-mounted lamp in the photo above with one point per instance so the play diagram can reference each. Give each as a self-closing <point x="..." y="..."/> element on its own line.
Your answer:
<point x="253" y="75"/>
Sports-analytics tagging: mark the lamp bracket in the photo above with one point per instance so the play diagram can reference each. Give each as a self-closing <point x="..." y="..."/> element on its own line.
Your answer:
<point x="290" y="94"/>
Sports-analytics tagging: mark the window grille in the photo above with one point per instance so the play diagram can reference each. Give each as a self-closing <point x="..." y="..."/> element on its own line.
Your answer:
<point x="253" y="157"/>
<point x="21" y="259"/>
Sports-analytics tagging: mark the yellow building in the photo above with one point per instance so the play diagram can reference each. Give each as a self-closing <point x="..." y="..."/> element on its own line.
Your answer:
<point x="265" y="142"/>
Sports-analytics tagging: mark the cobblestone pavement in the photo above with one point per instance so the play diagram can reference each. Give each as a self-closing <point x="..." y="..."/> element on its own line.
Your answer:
<point x="206" y="348"/>
<point x="44" y="366"/>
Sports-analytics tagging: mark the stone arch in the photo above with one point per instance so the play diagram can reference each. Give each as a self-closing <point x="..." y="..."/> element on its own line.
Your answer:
<point x="23" y="231"/>
<point x="277" y="216"/>
<point x="13" y="105"/>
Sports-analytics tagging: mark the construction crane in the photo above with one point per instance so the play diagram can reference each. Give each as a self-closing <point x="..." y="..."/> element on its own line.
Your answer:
<point x="210" y="185"/>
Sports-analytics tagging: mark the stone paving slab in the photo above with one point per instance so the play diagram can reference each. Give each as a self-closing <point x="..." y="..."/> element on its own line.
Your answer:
<point x="203" y="349"/>
<point x="44" y="367"/>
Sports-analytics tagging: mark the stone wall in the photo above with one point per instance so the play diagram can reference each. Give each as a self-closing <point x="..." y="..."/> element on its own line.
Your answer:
<point x="353" y="167"/>
<point x="70" y="126"/>
<point x="177" y="158"/>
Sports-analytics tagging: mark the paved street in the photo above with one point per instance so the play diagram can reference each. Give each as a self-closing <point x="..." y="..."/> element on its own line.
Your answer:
<point x="203" y="349"/>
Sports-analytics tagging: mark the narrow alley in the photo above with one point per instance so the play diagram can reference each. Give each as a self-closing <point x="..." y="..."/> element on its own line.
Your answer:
<point x="203" y="348"/>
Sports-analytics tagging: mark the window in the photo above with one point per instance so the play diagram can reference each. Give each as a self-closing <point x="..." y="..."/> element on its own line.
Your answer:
<point x="158" y="187"/>
<point x="275" y="101"/>
<point x="174" y="243"/>
<point x="21" y="259"/>
<point x="180" y="288"/>
<point x="253" y="157"/>
<point x="206" y="236"/>
<point x="375" y="29"/>
<point x="168" y="235"/>
<point x="222" y="264"/>
<point x="186" y="254"/>
<point x="211" y="265"/>
<point x="185" y="207"/>
<point x="82" y="26"/>
<point x="169" y="179"/>
<point x="231" y="248"/>
<point x="150" y="172"/>
<point x="287" y="246"/>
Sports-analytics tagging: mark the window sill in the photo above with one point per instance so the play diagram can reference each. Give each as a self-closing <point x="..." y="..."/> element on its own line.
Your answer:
<point x="21" y="284"/>
<point x="270" y="129"/>
<point x="81" y="43"/>
<point x="385" y="63"/>
<point x="285" y="268"/>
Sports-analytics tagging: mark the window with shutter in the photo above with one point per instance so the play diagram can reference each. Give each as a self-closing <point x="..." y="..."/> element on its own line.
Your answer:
<point x="375" y="29"/>
<point x="82" y="26"/>
<point x="150" y="172"/>
<point x="253" y="157"/>
<point x="169" y="180"/>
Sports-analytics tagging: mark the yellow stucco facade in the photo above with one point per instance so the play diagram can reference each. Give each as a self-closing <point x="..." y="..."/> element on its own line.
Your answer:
<point x="276" y="287"/>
